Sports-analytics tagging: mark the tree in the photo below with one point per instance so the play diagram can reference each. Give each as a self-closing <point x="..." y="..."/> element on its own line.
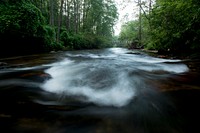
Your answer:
<point x="140" y="22"/>
<point x="52" y="17"/>
<point x="60" y="20"/>
<point x="129" y="34"/>
<point x="21" y="28"/>
<point x="174" y="25"/>
<point x="54" y="23"/>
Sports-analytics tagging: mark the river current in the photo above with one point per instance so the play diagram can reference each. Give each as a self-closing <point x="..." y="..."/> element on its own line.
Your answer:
<point x="113" y="90"/>
<point x="111" y="77"/>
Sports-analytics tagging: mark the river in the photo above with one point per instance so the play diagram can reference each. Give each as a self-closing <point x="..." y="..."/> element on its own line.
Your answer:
<point x="113" y="90"/>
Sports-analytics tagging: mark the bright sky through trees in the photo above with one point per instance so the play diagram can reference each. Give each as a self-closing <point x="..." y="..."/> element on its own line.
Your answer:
<point x="127" y="10"/>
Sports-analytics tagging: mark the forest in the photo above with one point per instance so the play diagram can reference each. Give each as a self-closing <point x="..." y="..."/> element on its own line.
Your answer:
<point x="171" y="27"/>
<point x="33" y="26"/>
<point x="63" y="68"/>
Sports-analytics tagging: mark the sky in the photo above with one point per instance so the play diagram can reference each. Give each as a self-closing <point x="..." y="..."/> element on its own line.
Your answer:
<point x="127" y="10"/>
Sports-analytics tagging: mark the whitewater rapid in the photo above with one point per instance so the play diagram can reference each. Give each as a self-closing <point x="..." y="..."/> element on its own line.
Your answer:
<point x="109" y="77"/>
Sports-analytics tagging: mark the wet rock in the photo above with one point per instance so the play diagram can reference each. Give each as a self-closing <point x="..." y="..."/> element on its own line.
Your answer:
<point x="52" y="52"/>
<point x="3" y="65"/>
<point x="36" y="76"/>
<point x="135" y="53"/>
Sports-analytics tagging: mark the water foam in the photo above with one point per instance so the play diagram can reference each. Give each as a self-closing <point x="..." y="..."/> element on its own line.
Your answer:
<point x="174" y="68"/>
<point x="73" y="80"/>
<point x="104" y="82"/>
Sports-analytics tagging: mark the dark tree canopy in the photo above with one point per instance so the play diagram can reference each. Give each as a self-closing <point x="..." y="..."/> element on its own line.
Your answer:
<point x="28" y="26"/>
<point x="21" y="27"/>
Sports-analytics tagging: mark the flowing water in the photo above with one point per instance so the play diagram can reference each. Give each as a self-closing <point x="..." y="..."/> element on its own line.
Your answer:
<point x="98" y="91"/>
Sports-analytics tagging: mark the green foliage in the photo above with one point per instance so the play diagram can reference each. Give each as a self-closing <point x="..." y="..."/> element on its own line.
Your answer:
<point x="174" y="25"/>
<point x="129" y="32"/>
<point x="169" y="26"/>
<point x="101" y="17"/>
<point x="21" y="27"/>
<point x="23" y="17"/>
<point x="24" y="25"/>
<point x="84" y="41"/>
<point x="50" y="39"/>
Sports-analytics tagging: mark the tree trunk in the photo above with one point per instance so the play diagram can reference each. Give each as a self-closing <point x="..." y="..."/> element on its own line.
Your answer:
<point x="68" y="23"/>
<point x="75" y="16"/>
<point x="150" y="5"/>
<point x="51" y="20"/>
<point x="60" y="20"/>
<point x="140" y="23"/>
